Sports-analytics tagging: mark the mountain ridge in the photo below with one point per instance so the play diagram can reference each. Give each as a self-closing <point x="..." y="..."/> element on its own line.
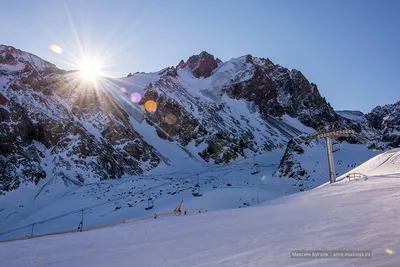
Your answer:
<point x="207" y="112"/>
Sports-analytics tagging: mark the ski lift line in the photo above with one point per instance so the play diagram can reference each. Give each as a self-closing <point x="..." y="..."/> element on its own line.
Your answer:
<point x="77" y="211"/>
<point x="88" y="207"/>
<point x="190" y="174"/>
<point x="96" y="205"/>
<point x="103" y="225"/>
<point x="172" y="173"/>
<point x="200" y="172"/>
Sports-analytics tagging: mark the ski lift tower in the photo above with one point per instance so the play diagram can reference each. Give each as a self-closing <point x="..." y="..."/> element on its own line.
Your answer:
<point x="328" y="136"/>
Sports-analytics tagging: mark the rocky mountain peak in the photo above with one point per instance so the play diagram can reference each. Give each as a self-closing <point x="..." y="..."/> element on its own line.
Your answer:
<point x="201" y="65"/>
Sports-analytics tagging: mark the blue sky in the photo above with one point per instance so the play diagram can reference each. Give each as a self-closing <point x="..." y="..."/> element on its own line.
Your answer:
<point x="350" y="49"/>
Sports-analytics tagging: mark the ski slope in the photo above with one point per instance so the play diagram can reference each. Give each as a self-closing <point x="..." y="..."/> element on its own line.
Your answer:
<point x="223" y="187"/>
<point x="356" y="215"/>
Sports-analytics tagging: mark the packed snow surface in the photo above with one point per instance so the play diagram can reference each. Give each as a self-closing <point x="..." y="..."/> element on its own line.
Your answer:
<point x="355" y="215"/>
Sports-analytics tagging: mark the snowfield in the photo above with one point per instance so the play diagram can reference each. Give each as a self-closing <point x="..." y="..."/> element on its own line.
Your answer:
<point x="357" y="215"/>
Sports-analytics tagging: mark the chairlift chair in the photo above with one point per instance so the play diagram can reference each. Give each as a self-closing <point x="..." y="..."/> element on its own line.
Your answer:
<point x="150" y="203"/>
<point x="335" y="147"/>
<point x="256" y="169"/>
<point x="196" y="191"/>
<point x="196" y="188"/>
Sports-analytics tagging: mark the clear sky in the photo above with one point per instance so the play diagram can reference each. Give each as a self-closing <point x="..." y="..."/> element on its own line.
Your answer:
<point x="349" y="48"/>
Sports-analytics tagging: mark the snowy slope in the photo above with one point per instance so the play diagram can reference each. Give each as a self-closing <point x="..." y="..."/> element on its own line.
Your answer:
<point x="359" y="215"/>
<point x="357" y="116"/>
<point x="223" y="187"/>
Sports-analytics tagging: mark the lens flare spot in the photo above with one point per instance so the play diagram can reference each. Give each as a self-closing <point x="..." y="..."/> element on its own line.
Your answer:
<point x="136" y="97"/>
<point x="150" y="106"/>
<point x="56" y="48"/>
<point x="123" y="90"/>
<point x="170" y="118"/>
<point x="389" y="251"/>
<point x="264" y="179"/>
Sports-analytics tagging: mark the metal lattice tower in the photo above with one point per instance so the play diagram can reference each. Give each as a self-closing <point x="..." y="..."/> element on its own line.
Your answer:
<point x="328" y="136"/>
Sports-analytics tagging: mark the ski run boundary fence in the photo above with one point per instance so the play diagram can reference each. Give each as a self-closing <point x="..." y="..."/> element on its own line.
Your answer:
<point x="354" y="176"/>
<point x="154" y="216"/>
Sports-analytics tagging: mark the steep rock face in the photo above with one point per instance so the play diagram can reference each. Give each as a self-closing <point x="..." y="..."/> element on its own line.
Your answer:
<point x="386" y="119"/>
<point x="170" y="118"/>
<point x="221" y="135"/>
<point x="56" y="128"/>
<point x="277" y="91"/>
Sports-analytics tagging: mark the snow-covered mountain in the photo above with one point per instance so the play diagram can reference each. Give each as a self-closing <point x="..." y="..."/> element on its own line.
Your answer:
<point x="55" y="127"/>
<point x="381" y="125"/>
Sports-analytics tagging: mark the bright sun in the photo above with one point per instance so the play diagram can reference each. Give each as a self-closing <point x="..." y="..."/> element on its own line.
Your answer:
<point x="89" y="69"/>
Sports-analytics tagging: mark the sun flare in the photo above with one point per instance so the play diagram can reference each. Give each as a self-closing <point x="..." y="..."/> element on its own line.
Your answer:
<point x="89" y="69"/>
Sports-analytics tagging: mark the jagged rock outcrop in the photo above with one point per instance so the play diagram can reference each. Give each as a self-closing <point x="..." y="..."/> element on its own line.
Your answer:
<point x="201" y="65"/>
<point x="386" y="119"/>
<point x="277" y="91"/>
<point x="292" y="169"/>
